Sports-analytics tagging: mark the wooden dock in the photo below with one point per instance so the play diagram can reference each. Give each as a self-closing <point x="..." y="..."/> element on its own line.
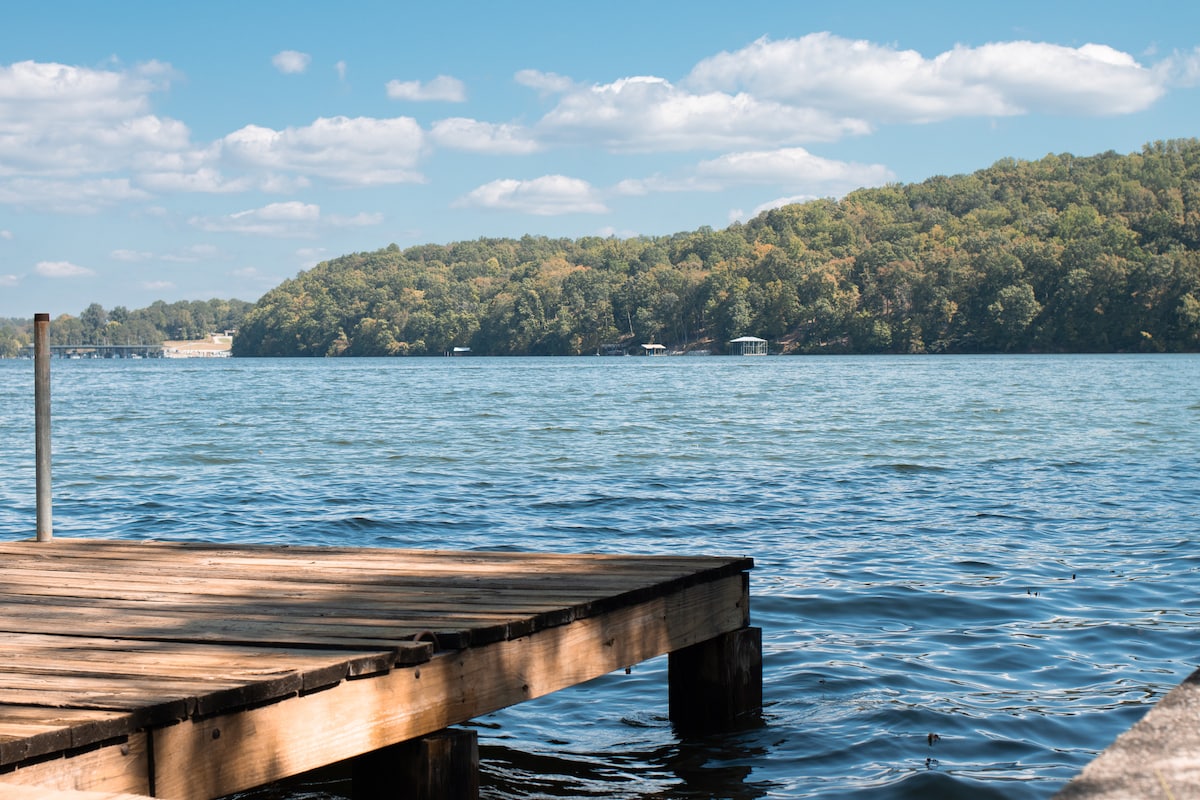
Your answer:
<point x="185" y="670"/>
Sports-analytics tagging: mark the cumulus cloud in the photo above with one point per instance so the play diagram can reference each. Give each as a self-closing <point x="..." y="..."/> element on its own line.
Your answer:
<point x="458" y="133"/>
<point x="57" y="119"/>
<point x="823" y="87"/>
<point x="646" y="113"/>
<point x="545" y="196"/>
<point x="291" y="62"/>
<point x="443" y="88"/>
<point x="9" y="280"/>
<point x="360" y="150"/>
<point x="66" y="196"/>
<point x="61" y="269"/>
<point x="873" y="81"/>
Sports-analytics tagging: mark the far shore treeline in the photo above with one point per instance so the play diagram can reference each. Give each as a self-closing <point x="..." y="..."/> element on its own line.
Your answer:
<point x="1063" y="254"/>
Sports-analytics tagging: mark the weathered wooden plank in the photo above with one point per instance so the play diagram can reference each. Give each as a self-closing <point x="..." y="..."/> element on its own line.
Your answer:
<point x="228" y="753"/>
<point x="11" y="791"/>
<point x="168" y="631"/>
<point x="182" y="626"/>
<point x="391" y="561"/>
<point x="122" y="767"/>
<point x="132" y="654"/>
<point x="136" y="579"/>
<point x="34" y="730"/>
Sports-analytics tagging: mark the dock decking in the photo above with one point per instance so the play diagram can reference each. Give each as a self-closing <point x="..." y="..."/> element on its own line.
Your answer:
<point x="188" y="670"/>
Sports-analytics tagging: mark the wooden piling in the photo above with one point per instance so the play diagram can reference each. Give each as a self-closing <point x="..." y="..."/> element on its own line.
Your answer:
<point x="41" y="401"/>
<point x="716" y="685"/>
<point x="441" y="766"/>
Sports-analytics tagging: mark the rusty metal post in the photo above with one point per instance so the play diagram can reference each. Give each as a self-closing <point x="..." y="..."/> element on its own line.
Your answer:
<point x="41" y="402"/>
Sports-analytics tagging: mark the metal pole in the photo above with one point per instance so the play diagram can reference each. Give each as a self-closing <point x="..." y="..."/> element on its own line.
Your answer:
<point x="41" y="402"/>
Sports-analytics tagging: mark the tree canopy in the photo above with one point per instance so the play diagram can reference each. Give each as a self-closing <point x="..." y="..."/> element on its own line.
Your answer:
<point x="158" y="322"/>
<point x="1063" y="254"/>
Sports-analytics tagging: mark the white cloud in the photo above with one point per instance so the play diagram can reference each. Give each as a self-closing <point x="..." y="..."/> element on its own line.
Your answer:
<point x="637" y="187"/>
<point x="792" y="166"/>
<point x="212" y="181"/>
<point x="291" y="62"/>
<point x="6" y="234"/>
<point x="59" y="120"/>
<point x="647" y="113"/>
<point x="340" y="68"/>
<point x="360" y="220"/>
<point x="290" y="219"/>
<point x="545" y="82"/>
<point x="205" y="179"/>
<point x="789" y="168"/>
<point x="544" y="196"/>
<point x="32" y="90"/>
<point x="8" y="281"/>
<point x="65" y="196"/>
<point x="361" y="151"/>
<point x="61" y="269"/>
<point x="443" y="88"/>
<point x="779" y="202"/>
<point x="157" y="286"/>
<point x="277" y="219"/>
<point x="1181" y="69"/>
<point x="872" y="81"/>
<point x="459" y="133"/>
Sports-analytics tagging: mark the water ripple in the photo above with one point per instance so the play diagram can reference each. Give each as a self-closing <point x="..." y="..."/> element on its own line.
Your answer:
<point x="999" y="552"/>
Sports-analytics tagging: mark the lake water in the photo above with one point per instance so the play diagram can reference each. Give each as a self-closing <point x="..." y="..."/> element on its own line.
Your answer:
<point x="1001" y="551"/>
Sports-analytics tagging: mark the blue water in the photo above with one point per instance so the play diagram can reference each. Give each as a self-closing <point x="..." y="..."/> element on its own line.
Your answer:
<point x="1001" y="551"/>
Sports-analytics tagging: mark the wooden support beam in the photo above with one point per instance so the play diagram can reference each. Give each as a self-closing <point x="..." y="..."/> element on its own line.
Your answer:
<point x="717" y="685"/>
<point x="220" y="755"/>
<point x="122" y="767"/>
<point x="441" y="766"/>
<point x="12" y="791"/>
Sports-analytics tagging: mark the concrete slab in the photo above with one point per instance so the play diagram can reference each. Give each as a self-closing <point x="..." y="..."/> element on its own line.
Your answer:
<point x="1158" y="757"/>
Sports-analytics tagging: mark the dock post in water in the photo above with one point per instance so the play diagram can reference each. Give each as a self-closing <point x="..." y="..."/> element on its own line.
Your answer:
<point x="440" y="766"/>
<point x="41" y="401"/>
<point x="716" y="685"/>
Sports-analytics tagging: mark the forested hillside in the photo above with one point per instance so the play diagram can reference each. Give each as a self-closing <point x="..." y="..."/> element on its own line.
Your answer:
<point x="1062" y="254"/>
<point x="186" y="319"/>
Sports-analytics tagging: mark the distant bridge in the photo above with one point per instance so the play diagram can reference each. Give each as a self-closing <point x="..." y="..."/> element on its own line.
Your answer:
<point x="104" y="350"/>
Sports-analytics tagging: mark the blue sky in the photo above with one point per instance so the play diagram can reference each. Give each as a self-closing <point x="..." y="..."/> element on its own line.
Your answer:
<point x="153" y="150"/>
